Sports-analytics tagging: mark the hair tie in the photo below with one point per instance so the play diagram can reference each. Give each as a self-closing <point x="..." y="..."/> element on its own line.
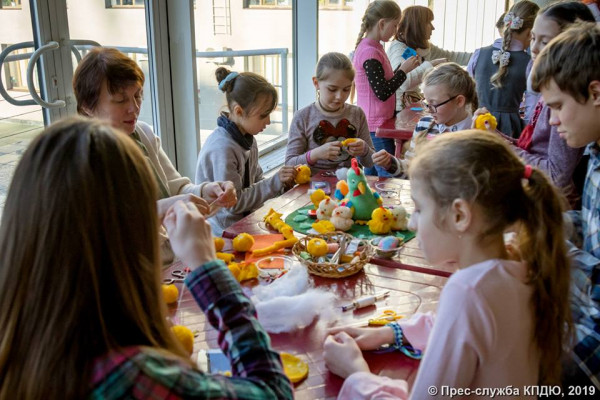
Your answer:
<point x="500" y="56"/>
<point x="230" y="76"/>
<point x="513" y="22"/>
<point x="527" y="172"/>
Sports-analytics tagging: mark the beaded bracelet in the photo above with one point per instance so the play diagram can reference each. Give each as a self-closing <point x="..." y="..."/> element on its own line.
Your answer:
<point x="407" y="350"/>
<point x="308" y="160"/>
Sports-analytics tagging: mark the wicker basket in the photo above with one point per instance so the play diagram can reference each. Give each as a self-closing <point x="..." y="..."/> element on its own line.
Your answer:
<point x="327" y="269"/>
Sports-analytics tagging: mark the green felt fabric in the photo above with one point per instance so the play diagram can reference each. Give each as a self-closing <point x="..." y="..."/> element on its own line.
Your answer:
<point x="360" y="231"/>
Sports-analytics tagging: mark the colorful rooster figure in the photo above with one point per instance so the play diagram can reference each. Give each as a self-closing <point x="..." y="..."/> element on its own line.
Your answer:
<point x="360" y="197"/>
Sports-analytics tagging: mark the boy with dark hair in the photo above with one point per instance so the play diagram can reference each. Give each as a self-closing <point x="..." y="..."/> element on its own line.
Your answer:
<point x="567" y="73"/>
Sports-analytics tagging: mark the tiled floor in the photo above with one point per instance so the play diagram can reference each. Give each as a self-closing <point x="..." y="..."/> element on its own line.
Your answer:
<point x="14" y="139"/>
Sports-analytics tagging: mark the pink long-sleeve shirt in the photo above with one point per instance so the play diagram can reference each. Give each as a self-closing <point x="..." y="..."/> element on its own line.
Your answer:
<point x="481" y="338"/>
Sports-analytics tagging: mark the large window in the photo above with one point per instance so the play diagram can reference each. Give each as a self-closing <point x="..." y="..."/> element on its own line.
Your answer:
<point x="257" y="40"/>
<point x="8" y="4"/>
<point x="89" y="20"/>
<point x="124" y="3"/>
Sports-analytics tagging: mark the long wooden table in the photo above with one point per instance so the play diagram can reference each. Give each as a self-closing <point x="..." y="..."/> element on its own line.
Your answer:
<point x="414" y="287"/>
<point x="409" y="256"/>
<point x="410" y="292"/>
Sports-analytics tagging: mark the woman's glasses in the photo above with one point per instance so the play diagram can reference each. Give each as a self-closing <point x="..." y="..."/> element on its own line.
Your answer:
<point x="433" y="107"/>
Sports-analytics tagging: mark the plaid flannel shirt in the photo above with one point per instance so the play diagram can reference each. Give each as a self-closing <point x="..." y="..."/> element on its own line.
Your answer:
<point x="147" y="373"/>
<point x="585" y="274"/>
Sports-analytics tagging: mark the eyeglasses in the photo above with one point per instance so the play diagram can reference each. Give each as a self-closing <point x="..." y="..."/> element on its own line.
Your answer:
<point x="433" y="107"/>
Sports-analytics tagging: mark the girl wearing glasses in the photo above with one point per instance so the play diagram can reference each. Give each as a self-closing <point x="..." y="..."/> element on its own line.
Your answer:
<point x="450" y="98"/>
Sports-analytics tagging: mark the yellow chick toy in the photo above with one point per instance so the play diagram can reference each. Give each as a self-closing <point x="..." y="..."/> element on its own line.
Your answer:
<point x="342" y="218"/>
<point x="486" y="122"/>
<point x="303" y="174"/>
<point x="400" y="220"/>
<point x="317" y="196"/>
<point x="323" y="227"/>
<point x="381" y="221"/>
<point x="325" y="209"/>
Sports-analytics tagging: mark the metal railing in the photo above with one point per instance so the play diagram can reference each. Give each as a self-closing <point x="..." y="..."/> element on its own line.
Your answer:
<point x="78" y="46"/>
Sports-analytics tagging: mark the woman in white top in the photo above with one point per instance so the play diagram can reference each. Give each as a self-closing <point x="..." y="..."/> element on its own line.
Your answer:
<point x="414" y="32"/>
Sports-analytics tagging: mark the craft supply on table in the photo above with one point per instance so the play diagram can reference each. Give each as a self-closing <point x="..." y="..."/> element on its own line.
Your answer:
<point x="340" y="259"/>
<point x="170" y="293"/>
<point x="386" y="247"/>
<point x="302" y="174"/>
<point x="243" y="242"/>
<point x="293" y="367"/>
<point x="185" y="337"/>
<point x="365" y="301"/>
<point x="356" y="230"/>
<point x="178" y="275"/>
<point x="385" y="318"/>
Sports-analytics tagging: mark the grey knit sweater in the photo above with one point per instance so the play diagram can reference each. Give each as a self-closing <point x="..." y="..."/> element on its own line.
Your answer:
<point x="222" y="159"/>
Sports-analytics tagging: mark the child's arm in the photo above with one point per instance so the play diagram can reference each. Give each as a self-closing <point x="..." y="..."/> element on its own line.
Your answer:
<point x="225" y="165"/>
<point x="298" y="144"/>
<point x="383" y="88"/>
<point x="366" y="158"/>
<point x="459" y="57"/>
<point x="473" y="63"/>
<point x="560" y="161"/>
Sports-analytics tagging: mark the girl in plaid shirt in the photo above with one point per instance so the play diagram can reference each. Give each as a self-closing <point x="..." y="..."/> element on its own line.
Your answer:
<point x="81" y="307"/>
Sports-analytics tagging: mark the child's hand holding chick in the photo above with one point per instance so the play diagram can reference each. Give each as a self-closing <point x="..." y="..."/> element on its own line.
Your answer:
<point x="357" y="148"/>
<point x="383" y="159"/>
<point x="328" y="151"/>
<point x="287" y="174"/>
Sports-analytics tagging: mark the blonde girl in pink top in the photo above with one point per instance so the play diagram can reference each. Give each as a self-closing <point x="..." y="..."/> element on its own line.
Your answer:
<point x="500" y="322"/>
<point x="376" y="82"/>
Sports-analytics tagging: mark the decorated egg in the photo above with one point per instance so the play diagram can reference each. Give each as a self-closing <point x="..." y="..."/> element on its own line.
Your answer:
<point x="389" y="243"/>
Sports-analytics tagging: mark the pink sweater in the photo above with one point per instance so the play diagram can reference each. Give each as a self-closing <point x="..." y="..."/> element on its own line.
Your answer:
<point x="481" y="338"/>
<point x="377" y="111"/>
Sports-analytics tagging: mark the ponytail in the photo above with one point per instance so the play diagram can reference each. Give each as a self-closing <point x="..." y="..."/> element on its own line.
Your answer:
<point x="479" y="167"/>
<point x="363" y="29"/>
<point x="543" y="248"/>
<point x="519" y="18"/>
<point x="377" y="10"/>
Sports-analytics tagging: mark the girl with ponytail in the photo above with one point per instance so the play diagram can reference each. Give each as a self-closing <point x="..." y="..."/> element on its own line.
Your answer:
<point x="503" y="317"/>
<point x="500" y="72"/>
<point x="376" y="81"/>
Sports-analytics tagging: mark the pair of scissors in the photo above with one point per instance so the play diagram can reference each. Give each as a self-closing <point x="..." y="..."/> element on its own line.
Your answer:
<point x="178" y="276"/>
<point x="385" y="318"/>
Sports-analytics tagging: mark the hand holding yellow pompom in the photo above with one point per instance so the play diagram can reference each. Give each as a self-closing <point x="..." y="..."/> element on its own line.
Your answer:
<point x="303" y="174"/>
<point x="486" y="121"/>
<point x="185" y="336"/>
<point x="243" y="242"/>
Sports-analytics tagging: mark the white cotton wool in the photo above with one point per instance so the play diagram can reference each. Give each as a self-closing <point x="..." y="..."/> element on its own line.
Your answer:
<point x="288" y="313"/>
<point x="288" y="303"/>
